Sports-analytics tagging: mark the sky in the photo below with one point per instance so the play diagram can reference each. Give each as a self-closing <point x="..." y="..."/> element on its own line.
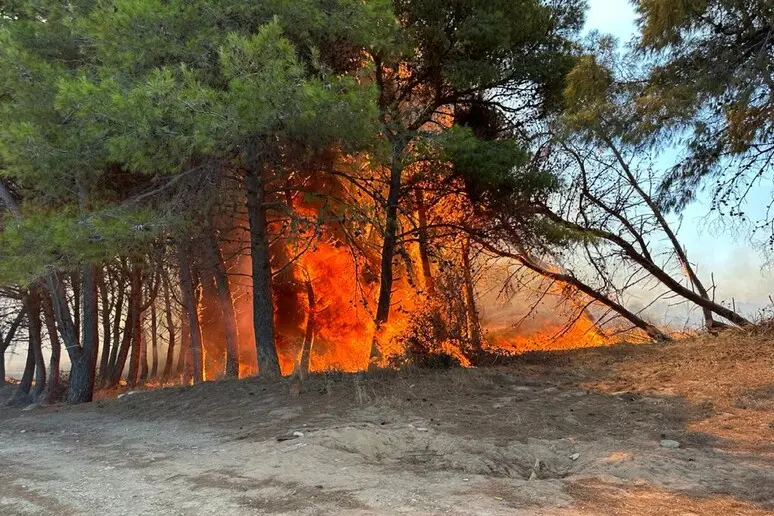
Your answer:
<point x="738" y="268"/>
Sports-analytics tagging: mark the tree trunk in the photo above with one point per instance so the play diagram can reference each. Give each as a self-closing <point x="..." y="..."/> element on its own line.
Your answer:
<point x="135" y="297"/>
<point x="21" y="396"/>
<point x="154" y="337"/>
<point x="263" y="304"/>
<point x="170" y="328"/>
<point x="188" y="295"/>
<point x="184" y="356"/>
<point x="3" y="381"/>
<point x="424" y="250"/>
<point x="116" y="332"/>
<point x="226" y="304"/>
<point x="679" y="251"/>
<point x="474" y="323"/>
<point x="106" y="340"/>
<point x="143" y="341"/>
<point x="75" y="281"/>
<point x="388" y="248"/>
<point x="306" y="349"/>
<point x="572" y="281"/>
<point x="32" y="302"/>
<point x="655" y="271"/>
<point x="136" y="330"/>
<point x="53" y="388"/>
<point x="5" y="342"/>
<point x="81" y="389"/>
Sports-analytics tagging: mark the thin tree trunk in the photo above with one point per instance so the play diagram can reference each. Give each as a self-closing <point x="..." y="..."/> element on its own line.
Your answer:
<point x="75" y="281"/>
<point x="306" y="349"/>
<point x="263" y="304"/>
<point x="5" y="342"/>
<point x="9" y="201"/>
<point x="388" y="248"/>
<point x="54" y="393"/>
<point x="66" y="327"/>
<point x="154" y="371"/>
<point x="143" y="341"/>
<point x="32" y="302"/>
<point x="136" y="330"/>
<point x="655" y="271"/>
<point x="21" y="396"/>
<point x="116" y="332"/>
<point x="572" y="281"/>
<point x="679" y="251"/>
<point x="104" y="360"/>
<point x="474" y="323"/>
<point x="188" y="295"/>
<point x="132" y="315"/>
<point x="184" y="356"/>
<point x="424" y="249"/>
<point x="170" y="327"/>
<point x="226" y="304"/>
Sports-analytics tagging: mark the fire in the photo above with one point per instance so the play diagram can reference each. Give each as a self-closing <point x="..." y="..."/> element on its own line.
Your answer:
<point x="326" y="282"/>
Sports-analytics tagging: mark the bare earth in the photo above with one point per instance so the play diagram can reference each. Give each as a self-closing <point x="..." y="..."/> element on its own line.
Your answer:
<point x="462" y="442"/>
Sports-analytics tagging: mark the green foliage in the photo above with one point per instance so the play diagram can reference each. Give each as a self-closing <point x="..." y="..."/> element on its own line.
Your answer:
<point x="101" y="100"/>
<point x="66" y="239"/>
<point x="588" y="92"/>
<point x="494" y="170"/>
<point x="710" y="92"/>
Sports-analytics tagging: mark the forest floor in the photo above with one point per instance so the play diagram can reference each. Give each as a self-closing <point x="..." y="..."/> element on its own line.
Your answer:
<point x="585" y="425"/>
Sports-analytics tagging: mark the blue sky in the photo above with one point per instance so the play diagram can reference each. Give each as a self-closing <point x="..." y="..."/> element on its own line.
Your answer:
<point x="738" y="268"/>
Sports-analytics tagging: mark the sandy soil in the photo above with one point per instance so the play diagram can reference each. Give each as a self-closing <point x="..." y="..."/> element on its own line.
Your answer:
<point x="490" y="441"/>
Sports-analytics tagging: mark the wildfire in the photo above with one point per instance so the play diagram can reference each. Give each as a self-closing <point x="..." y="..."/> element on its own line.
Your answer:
<point x="326" y="284"/>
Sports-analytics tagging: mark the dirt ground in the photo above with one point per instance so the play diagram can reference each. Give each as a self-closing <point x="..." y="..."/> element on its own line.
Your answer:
<point x="565" y="433"/>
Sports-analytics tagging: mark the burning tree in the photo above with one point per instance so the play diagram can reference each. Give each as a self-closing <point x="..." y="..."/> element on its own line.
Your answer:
<point x="197" y="189"/>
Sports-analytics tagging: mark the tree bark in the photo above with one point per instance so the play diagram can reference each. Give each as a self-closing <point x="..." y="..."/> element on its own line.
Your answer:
<point x="106" y="339"/>
<point x="170" y="327"/>
<point x="54" y="393"/>
<point x="143" y="343"/>
<point x="136" y="329"/>
<point x="263" y="304"/>
<point x="306" y="348"/>
<point x="75" y="281"/>
<point x="5" y="341"/>
<point x="474" y="323"/>
<point x="9" y="201"/>
<point x="3" y="381"/>
<point x="32" y="302"/>
<point x="184" y="356"/>
<point x="82" y="374"/>
<point x="78" y="389"/>
<point x="154" y="337"/>
<point x="226" y="304"/>
<point x="388" y="247"/>
<point x="21" y="396"/>
<point x="116" y="331"/>
<point x="188" y="295"/>
<point x="423" y="237"/>
<point x="135" y="297"/>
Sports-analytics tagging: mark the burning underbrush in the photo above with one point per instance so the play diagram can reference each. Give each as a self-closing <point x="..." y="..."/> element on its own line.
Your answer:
<point x="325" y="322"/>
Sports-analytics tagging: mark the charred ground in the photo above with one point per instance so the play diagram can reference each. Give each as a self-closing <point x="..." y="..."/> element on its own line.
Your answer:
<point x="460" y="441"/>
